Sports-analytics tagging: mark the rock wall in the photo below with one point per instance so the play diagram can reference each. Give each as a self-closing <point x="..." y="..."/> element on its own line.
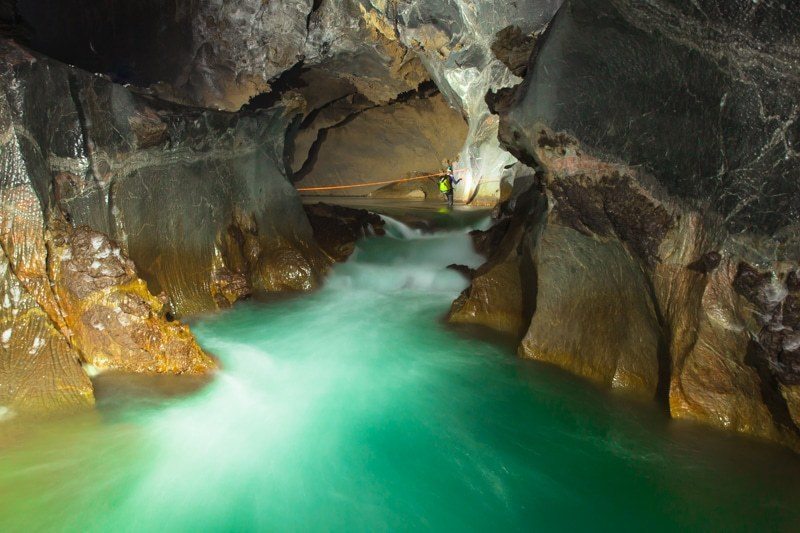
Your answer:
<point x="226" y="54"/>
<point x="120" y="212"/>
<point x="658" y="254"/>
<point x="378" y="143"/>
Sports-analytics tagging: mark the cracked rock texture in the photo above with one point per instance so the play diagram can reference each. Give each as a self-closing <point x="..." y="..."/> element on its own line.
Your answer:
<point x="109" y="198"/>
<point x="662" y="106"/>
<point x="649" y="240"/>
<point x="626" y="285"/>
<point x="664" y="260"/>
<point x="221" y="54"/>
<point x="703" y="94"/>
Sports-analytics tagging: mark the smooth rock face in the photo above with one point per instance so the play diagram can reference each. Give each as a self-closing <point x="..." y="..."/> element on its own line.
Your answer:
<point x="100" y="186"/>
<point x="380" y="143"/>
<point x="698" y="102"/>
<point x="704" y="95"/>
<point x="702" y="100"/>
<point x="632" y="289"/>
<point x="593" y="313"/>
<point x="500" y="295"/>
<point x="110" y="316"/>
<point x="457" y="42"/>
<point x="712" y="381"/>
<point x="166" y="182"/>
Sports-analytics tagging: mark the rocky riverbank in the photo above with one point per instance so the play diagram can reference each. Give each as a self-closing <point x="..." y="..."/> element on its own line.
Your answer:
<point x="121" y="213"/>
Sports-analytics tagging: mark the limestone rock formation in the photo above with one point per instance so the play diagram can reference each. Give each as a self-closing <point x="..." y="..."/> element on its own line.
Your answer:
<point x="40" y="372"/>
<point x="701" y="94"/>
<point x="337" y="228"/>
<point x="109" y="315"/>
<point x="645" y="155"/>
<point x="627" y="286"/>
<point x="224" y="54"/>
<point x="679" y="155"/>
<point x="168" y="183"/>
<point x="457" y="41"/>
<point x="110" y="197"/>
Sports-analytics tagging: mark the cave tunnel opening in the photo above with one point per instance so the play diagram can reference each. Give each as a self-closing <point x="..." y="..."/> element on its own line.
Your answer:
<point x="349" y="145"/>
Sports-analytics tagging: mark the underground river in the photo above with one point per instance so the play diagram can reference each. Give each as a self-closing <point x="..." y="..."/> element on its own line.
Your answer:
<point x="357" y="408"/>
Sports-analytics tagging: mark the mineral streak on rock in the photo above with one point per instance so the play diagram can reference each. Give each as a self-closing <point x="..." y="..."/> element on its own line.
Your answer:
<point x="636" y="85"/>
<point x="164" y="181"/>
<point x="40" y="372"/>
<point x="621" y="289"/>
<point x="457" y="42"/>
<point x="703" y="95"/>
<point x="225" y="54"/>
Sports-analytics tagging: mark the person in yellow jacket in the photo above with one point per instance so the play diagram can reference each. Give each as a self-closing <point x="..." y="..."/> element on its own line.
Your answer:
<point x="447" y="183"/>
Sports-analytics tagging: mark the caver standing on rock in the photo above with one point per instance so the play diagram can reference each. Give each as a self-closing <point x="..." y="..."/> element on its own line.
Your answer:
<point x="447" y="183"/>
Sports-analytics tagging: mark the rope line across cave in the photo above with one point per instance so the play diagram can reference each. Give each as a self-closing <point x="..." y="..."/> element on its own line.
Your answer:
<point x="373" y="183"/>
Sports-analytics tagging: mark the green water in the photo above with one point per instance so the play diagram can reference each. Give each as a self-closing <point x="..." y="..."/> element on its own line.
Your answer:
<point x="357" y="409"/>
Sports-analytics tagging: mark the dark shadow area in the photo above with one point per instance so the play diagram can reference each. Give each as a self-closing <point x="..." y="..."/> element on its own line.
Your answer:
<point x="139" y="42"/>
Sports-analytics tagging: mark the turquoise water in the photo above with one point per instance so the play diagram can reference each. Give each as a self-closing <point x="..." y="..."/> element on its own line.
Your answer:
<point x="357" y="408"/>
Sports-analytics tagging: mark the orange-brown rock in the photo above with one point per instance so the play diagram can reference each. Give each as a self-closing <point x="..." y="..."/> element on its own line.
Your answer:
<point x="39" y="371"/>
<point x="495" y="297"/>
<point x="282" y="267"/>
<point x="380" y="143"/>
<point x="791" y="394"/>
<point x="249" y="259"/>
<point x="594" y="315"/>
<point x="110" y="315"/>
<point x="630" y="287"/>
<point x="711" y="382"/>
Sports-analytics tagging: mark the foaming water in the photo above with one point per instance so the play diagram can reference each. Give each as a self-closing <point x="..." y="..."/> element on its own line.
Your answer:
<point x="356" y="408"/>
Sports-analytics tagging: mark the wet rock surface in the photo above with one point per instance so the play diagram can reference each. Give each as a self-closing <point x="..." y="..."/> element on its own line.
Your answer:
<point x="645" y="155"/>
<point x="703" y="95"/>
<point x="341" y="53"/>
<point x="615" y="99"/>
<point x="40" y="372"/>
<point x="629" y="287"/>
<point x="111" y="197"/>
<point x="109" y="314"/>
<point x="379" y="143"/>
<point x="337" y="228"/>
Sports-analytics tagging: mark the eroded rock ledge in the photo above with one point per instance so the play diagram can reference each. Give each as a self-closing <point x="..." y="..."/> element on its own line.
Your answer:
<point x="599" y="272"/>
<point x="120" y="212"/>
<point x="657" y="250"/>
